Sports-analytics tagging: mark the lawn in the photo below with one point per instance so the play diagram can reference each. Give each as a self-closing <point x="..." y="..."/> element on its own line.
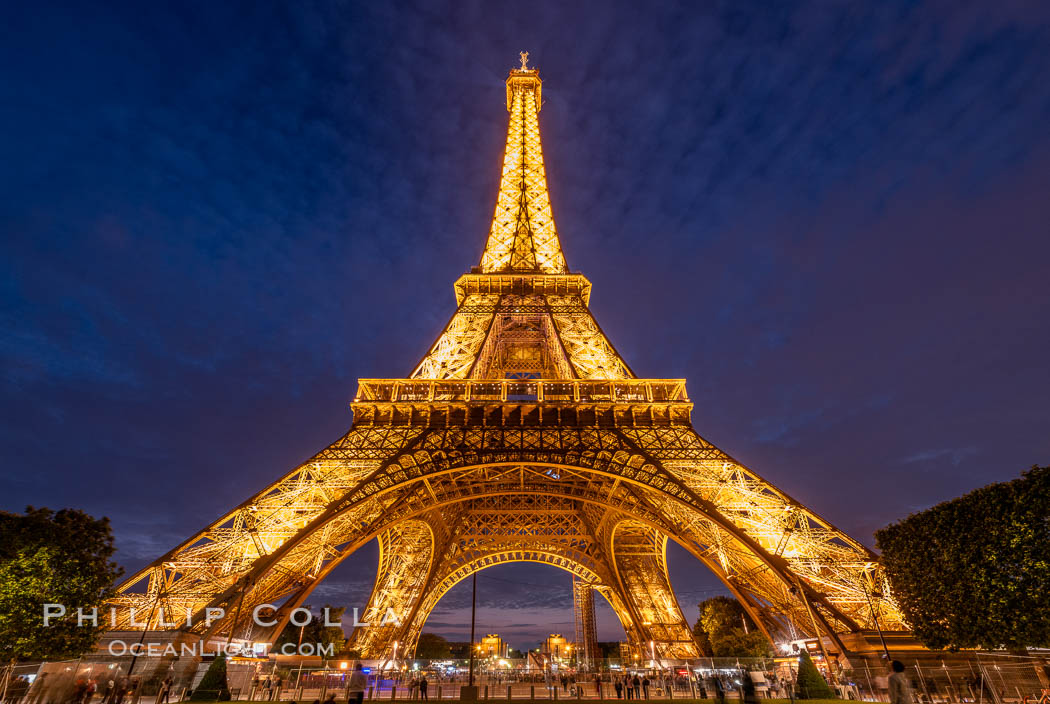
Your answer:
<point x="482" y="700"/>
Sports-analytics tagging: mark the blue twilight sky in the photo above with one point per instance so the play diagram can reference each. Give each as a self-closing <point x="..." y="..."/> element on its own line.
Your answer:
<point x="831" y="217"/>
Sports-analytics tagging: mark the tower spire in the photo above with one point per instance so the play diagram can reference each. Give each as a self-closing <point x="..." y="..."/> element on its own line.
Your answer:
<point x="523" y="236"/>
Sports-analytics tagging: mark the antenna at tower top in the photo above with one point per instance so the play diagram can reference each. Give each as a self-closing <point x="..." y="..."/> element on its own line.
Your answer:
<point x="524" y="60"/>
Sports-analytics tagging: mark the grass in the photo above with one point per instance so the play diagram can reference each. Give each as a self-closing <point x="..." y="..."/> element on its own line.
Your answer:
<point x="567" y="700"/>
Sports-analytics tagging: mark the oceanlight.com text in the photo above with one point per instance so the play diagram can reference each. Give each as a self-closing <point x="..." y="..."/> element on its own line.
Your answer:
<point x="119" y="648"/>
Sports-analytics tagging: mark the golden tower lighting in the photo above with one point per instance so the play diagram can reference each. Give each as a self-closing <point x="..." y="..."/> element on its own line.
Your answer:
<point x="521" y="435"/>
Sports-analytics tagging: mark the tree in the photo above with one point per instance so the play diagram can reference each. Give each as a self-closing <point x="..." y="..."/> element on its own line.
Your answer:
<point x="703" y="640"/>
<point x="431" y="646"/>
<point x="724" y="629"/>
<point x="809" y="684"/>
<point x="974" y="572"/>
<point x="213" y="685"/>
<point x="742" y="644"/>
<point x="49" y="557"/>
<point x="315" y="632"/>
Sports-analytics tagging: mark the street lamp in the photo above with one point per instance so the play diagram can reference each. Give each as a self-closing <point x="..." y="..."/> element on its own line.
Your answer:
<point x="875" y="618"/>
<point x="473" y="612"/>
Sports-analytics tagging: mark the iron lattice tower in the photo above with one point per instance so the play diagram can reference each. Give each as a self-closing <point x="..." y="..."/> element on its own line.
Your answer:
<point x="586" y="628"/>
<point x="521" y="435"/>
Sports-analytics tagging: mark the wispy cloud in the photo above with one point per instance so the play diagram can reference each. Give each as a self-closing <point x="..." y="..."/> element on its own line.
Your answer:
<point x="956" y="455"/>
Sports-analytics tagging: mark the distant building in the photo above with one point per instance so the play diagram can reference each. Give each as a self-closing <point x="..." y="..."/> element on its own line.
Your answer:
<point x="557" y="647"/>
<point x="492" y="646"/>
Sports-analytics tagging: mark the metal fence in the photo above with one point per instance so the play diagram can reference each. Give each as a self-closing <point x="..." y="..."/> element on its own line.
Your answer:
<point x="984" y="678"/>
<point x="978" y="678"/>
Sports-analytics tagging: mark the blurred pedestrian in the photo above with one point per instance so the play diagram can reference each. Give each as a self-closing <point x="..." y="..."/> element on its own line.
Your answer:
<point x="900" y="687"/>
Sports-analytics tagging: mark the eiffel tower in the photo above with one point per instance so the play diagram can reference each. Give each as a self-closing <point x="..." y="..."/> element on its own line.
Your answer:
<point x="521" y="435"/>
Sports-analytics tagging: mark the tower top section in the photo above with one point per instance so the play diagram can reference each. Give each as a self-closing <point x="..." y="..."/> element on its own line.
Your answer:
<point x="523" y="237"/>
<point x="524" y="78"/>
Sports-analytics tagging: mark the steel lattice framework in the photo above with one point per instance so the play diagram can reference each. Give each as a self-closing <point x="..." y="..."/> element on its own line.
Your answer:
<point x="522" y="435"/>
<point x="586" y="629"/>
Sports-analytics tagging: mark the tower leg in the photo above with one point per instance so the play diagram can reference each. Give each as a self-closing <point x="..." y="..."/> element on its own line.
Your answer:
<point x="406" y="557"/>
<point x="640" y="560"/>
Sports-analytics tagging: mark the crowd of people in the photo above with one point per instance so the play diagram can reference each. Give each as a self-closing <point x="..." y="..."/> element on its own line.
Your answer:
<point x="86" y="689"/>
<point x="712" y="686"/>
<point x="418" y="687"/>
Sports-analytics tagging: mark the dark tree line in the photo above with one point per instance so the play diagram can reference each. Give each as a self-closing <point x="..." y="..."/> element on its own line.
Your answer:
<point x="975" y="571"/>
<point x="49" y="557"/>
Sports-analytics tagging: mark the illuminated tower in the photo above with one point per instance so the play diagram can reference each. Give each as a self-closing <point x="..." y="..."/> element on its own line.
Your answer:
<point x="521" y="435"/>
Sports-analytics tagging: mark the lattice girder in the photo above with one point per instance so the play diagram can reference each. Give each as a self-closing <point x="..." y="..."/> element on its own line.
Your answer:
<point x="515" y="528"/>
<point x="586" y="629"/>
<point x="640" y="554"/>
<point x="523" y="236"/>
<point x="598" y="467"/>
<point x="481" y="338"/>
<point x="406" y="559"/>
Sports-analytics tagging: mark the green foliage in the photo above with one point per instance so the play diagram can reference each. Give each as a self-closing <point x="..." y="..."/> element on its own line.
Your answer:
<point x="809" y="684"/>
<point x="58" y="558"/>
<point x="725" y="630"/>
<point x="975" y="571"/>
<point x="703" y="640"/>
<point x="213" y="685"/>
<point x="431" y="646"/>
<point x="315" y="632"/>
<point x="737" y="643"/>
<point x="721" y="614"/>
